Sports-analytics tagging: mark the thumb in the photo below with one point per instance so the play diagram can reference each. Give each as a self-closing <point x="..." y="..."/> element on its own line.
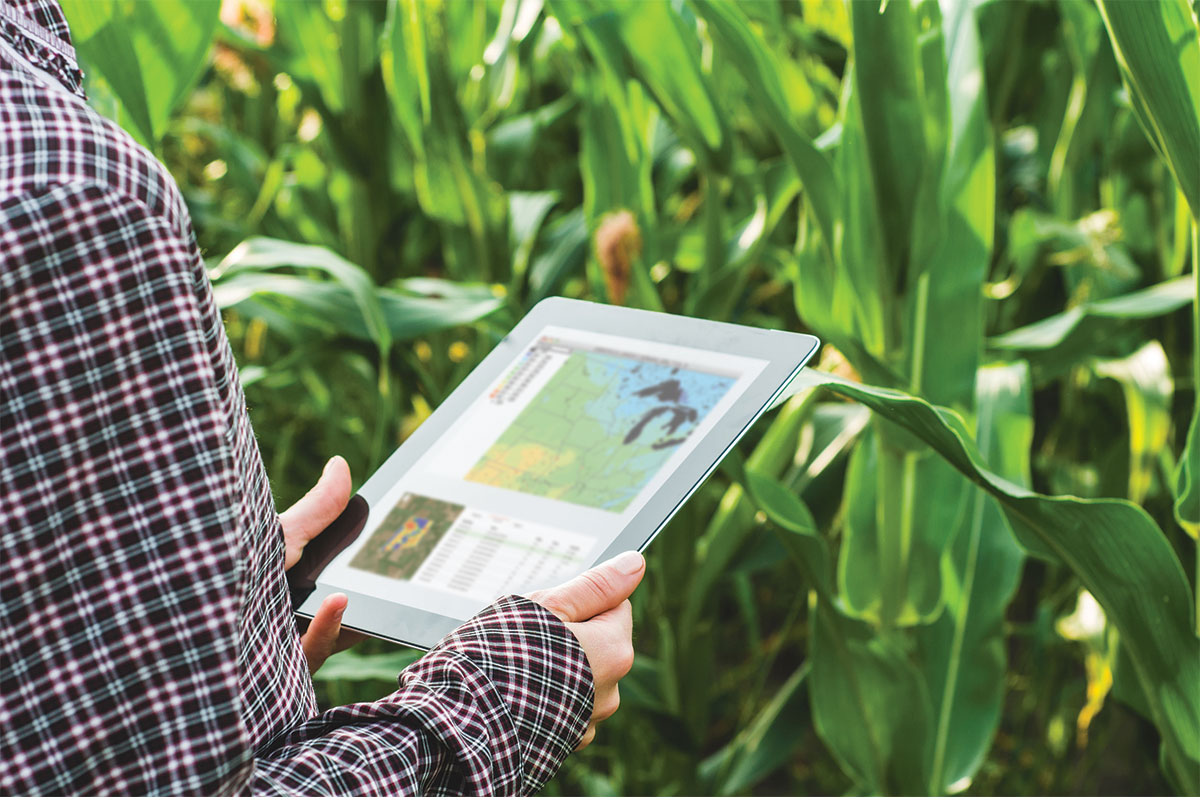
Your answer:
<point x="320" y="640"/>
<point x="597" y="590"/>
<point x="315" y="511"/>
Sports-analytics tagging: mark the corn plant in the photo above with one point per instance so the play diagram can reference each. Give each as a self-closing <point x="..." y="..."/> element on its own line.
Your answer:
<point x="962" y="555"/>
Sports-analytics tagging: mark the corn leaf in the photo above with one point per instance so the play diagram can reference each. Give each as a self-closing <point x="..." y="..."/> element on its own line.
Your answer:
<point x="1157" y="46"/>
<point x="148" y="55"/>
<point x="888" y="91"/>
<point x="898" y="525"/>
<point x="566" y="246"/>
<point x="952" y="237"/>
<point x="1145" y="380"/>
<point x="734" y="519"/>
<point x="667" y="60"/>
<point x="869" y="703"/>
<point x="350" y="304"/>
<point x="798" y="531"/>
<point x="262" y="253"/>
<point x="1115" y="549"/>
<point x="1187" y="473"/>
<point x="1056" y="342"/>
<point x="286" y="301"/>
<point x="615" y="151"/>
<point x="449" y="185"/>
<point x="353" y="666"/>
<point x="1187" y="480"/>
<point x="963" y="652"/>
<point x="767" y="743"/>
<point x="746" y="50"/>
<point x="315" y="55"/>
<point x="526" y="213"/>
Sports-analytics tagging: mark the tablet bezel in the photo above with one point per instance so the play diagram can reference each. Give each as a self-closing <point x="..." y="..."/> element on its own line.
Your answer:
<point x="785" y="353"/>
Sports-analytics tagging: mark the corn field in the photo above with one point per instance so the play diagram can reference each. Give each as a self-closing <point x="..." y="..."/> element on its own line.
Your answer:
<point x="962" y="557"/>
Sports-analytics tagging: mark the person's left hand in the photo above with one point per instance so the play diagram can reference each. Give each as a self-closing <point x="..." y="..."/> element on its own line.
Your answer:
<point x="309" y="516"/>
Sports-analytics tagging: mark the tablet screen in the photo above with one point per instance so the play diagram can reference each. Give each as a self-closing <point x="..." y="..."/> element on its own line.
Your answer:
<point x="544" y="470"/>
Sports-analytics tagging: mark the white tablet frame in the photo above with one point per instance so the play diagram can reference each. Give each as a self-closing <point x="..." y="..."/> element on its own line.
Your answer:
<point x="785" y="354"/>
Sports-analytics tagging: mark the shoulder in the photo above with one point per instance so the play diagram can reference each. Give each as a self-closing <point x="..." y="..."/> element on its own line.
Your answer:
<point x="50" y="138"/>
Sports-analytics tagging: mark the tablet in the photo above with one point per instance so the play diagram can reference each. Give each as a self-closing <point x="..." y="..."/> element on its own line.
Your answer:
<point x="576" y="438"/>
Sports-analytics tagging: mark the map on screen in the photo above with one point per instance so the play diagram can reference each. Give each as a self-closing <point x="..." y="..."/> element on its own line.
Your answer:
<point x="408" y="534"/>
<point x="599" y="429"/>
<point x="542" y="471"/>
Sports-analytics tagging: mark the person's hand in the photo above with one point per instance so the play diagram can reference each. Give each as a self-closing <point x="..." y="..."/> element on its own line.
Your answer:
<point x="325" y="636"/>
<point x="595" y="606"/>
<point x="315" y="511"/>
<point x="309" y="516"/>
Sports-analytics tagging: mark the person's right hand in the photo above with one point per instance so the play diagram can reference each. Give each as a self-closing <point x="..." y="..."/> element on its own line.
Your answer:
<point x="595" y="606"/>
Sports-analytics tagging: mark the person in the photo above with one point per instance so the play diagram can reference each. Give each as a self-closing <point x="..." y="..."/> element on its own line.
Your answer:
<point x="147" y="642"/>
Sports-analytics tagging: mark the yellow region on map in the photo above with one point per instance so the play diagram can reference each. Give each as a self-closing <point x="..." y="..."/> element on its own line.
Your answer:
<point x="507" y="465"/>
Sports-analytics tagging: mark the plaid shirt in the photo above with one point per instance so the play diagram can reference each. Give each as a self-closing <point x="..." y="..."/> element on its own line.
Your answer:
<point x="147" y="643"/>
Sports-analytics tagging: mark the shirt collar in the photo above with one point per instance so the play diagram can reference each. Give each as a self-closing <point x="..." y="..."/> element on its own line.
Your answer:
<point x="37" y="30"/>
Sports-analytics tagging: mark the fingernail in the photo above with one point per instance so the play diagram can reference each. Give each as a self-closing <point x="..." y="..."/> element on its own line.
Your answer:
<point x="342" y="600"/>
<point x="630" y="562"/>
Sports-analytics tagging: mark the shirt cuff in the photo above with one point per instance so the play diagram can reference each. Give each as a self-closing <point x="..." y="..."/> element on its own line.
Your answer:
<point x="539" y="671"/>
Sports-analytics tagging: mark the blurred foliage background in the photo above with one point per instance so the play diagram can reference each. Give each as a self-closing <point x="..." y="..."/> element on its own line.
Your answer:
<point x="962" y="557"/>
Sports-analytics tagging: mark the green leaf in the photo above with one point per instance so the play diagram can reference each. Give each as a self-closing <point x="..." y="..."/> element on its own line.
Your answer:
<point x="951" y="246"/>
<point x="1064" y="339"/>
<point x="726" y="533"/>
<point x="767" y="743"/>
<point x="1187" y="480"/>
<point x="262" y="253"/>
<point x="351" y="305"/>
<point x="171" y="39"/>
<point x="666" y="59"/>
<point x="898" y="525"/>
<point x="799" y="532"/>
<point x="147" y="54"/>
<point x="615" y="150"/>
<point x="526" y="213"/>
<point x="887" y="84"/>
<point x="352" y="666"/>
<point x="747" y="52"/>
<point x="405" y="72"/>
<point x="963" y="651"/>
<point x="1157" y="46"/>
<point x="311" y="38"/>
<point x="616" y="167"/>
<point x="1115" y="549"/>
<point x="869" y="703"/>
<point x="1187" y="473"/>
<point x="450" y="183"/>
<point x="858" y="285"/>
<point x="1145" y="380"/>
<point x="564" y="253"/>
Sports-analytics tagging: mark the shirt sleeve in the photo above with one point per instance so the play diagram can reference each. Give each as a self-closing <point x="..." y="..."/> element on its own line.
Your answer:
<point x="492" y="710"/>
<point x="123" y="557"/>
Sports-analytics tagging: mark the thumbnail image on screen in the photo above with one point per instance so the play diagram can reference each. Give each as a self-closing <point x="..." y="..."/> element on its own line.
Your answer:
<point x="406" y="537"/>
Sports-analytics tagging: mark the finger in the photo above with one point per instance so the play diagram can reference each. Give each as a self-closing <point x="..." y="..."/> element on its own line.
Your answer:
<point x="597" y="590"/>
<point x="321" y="639"/>
<point x="347" y="639"/>
<point x="316" y="510"/>
<point x="588" y="735"/>
<point x="620" y="619"/>
<point x="607" y="705"/>
<point x="607" y="644"/>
